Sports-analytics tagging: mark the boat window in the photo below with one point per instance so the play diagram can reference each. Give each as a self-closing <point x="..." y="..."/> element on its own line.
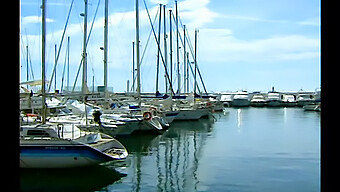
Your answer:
<point x="65" y="110"/>
<point x="37" y="133"/>
<point x="53" y="110"/>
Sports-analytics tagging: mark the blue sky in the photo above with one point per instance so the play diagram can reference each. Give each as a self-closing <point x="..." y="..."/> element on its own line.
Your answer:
<point x="242" y="44"/>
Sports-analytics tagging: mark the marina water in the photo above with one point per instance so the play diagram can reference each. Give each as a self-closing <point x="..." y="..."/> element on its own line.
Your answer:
<point x="242" y="149"/>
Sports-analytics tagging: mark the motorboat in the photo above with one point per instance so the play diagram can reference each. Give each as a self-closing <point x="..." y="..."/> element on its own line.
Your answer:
<point x="288" y="100"/>
<point x="304" y="99"/>
<point x="240" y="99"/>
<point x="226" y="99"/>
<point x="273" y="99"/>
<point x="315" y="106"/>
<point x="258" y="100"/>
<point x="65" y="146"/>
<point x="312" y="107"/>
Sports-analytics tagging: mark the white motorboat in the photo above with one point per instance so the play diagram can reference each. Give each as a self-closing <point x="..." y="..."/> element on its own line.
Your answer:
<point x="304" y="99"/>
<point x="226" y="99"/>
<point x="288" y="100"/>
<point x="258" y="100"/>
<point x="312" y="107"/>
<point x="241" y="99"/>
<point x="50" y="146"/>
<point x="273" y="99"/>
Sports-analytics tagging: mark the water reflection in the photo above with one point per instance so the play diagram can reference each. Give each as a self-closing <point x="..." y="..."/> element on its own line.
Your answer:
<point x="167" y="162"/>
<point x="239" y="119"/>
<point x="72" y="179"/>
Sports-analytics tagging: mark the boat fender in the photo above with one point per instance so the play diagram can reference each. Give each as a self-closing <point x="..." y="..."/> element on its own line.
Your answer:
<point x="153" y="110"/>
<point x="31" y="115"/>
<point x="147" y="115"/>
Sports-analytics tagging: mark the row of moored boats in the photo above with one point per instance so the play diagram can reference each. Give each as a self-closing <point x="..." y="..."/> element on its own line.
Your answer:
<point x="74" y="130"/>
<point x="307" y="100"/>
<point x="82" y="130"/>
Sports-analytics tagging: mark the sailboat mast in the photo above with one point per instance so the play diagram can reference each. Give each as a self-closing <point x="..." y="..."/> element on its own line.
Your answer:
<point x="188" y="63"/>
<point x="184" y="61"/>
<point x="27" y="64"/>
<point x="159" y="41"/>
<point x="84" y="82"/>
<point x="165" y="51"/>
<point x="177" y="33"/>
<point x="105" y="45"/>
<point x="55" y="63"/>
<point x="68" y="63"/>
<point x="43" y="38"/>
<point x="137" y="53"/>
<point x="170" y="40"/>
<point x="195" y="60"/>
<point x="133" y="67"/>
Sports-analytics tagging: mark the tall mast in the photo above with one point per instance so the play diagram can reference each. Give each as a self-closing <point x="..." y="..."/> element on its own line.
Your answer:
<point x="27" y="64"/>
<point x="133" y="67"/>
<point x="170" y="24"/>
<point x="84" y="82"/>
<point x="177" y="33"/>
<point x="184" y="62"/>
<point x="105" y="46"/>
<point x="159" y="42"/>
<point x="188" y="63"/>
<point x="195" y="60"/>
<point x="55" y="63"/>
<point x="165" y="51"/>
<point x="137" y="53"/>
<point x="68" y="63"/>
<point x="43" y="37"/>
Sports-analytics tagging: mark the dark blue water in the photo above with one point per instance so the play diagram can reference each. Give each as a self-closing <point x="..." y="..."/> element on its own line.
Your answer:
<point x="247" y="149"/>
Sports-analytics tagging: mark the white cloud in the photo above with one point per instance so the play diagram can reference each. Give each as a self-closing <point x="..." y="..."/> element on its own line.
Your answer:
<point x="218" y="45"/>
<point x="34" y="19"/>
<point x="163" y="2"/>
<point x="195" y="14"/>
<point x="249" y="18"/>
<point x="312" y="22"/>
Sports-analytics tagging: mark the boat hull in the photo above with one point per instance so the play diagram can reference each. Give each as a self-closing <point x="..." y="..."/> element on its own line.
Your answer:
<point x="257" y="103"/>
<point x="274" y="103"/>
<point x="288" y="104"/>
<point x="302" y="103"/>
<point x="312" y="107"/>
<point x="240" y="103"/>
<point x="59" y="154"/>
<point x="169" y="116"/>
<point x="191" y="114"/>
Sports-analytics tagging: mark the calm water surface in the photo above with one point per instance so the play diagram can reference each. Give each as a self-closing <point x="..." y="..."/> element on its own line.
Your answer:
<point x="247" y="149"/>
